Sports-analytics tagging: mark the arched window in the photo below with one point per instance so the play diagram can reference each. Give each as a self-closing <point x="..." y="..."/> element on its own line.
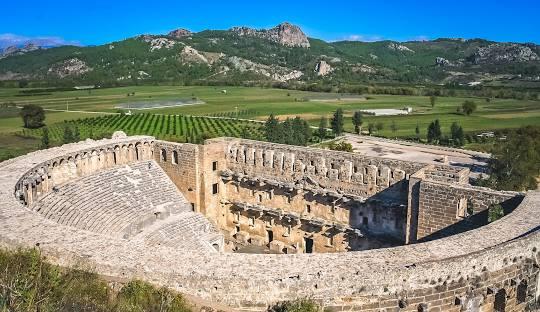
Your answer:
<point x="175" y="157"/>
<point x="521" y="293"/>
<point x="500" y="301"/>
<point x="163" y="155"/>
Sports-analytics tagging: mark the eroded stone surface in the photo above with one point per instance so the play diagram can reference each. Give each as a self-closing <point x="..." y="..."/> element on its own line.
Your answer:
<point x="468" y="269"/>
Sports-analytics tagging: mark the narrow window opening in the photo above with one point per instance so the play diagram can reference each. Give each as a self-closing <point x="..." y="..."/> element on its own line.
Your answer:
<point x="365" y="221"/>
<point x="521" y="295"/>
<point x="163" y="155"/>
<point x="175" y="158"/>
<point x="308" y="242"/>
<point x="500" y="301"/>
<point x="215" y="188"/>
<point x="270" y="235"/>
<point x="214" y="165"/>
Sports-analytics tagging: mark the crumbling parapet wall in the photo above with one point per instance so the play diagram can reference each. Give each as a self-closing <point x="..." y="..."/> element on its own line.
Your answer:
<point x="337" y="171"/>
<point x="446" y="209"/>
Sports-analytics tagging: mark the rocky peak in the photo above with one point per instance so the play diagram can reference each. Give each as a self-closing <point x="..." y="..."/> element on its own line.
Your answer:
<point x="285" y="34"/>
<point x="179" y="33"/>
<point x="18" y="50"/>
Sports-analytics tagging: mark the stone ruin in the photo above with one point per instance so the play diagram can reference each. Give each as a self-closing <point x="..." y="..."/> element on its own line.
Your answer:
<point x="348" y="231"/>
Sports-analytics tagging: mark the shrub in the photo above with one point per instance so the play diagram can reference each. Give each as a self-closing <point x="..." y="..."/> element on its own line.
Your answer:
<point x="28" y="283"/>
<point x="295" y="306"/>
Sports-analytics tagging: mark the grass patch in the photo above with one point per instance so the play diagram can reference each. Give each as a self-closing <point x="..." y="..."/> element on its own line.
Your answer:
<point x="13" y="145"/>
<point x="29" y="283"/>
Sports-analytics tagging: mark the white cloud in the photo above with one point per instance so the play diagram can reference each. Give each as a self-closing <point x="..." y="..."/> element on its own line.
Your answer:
<point x="419" y="38"/>
<point x="8" y="39"/>
<point x="364" y="38"/>
<point x="373" y="38"/>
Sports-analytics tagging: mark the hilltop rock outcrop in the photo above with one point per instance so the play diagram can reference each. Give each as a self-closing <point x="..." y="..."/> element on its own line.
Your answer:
<point x="322" y="68"/>
<point x="285" y="34"/>
<point x="277" y="73"/>
<point x="69" y="67"/>
<point x="179" y="33"/>
<point x="503" y="53"/>
<point x="441" y="61"/>
<point x="399" y="47"/>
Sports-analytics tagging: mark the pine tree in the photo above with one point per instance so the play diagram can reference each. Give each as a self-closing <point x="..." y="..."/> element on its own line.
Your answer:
<point x="432" y="100"/>
<point x="45" y="143"/>
<point x="76" y="134"/>
<point x="271" y="131"/>
<point x="323" y="124"/>
<point x="357" y="121"/>
<point x="337" y="122"/>
<point x="434" y="132"/>
<point x="394" y="127"/>
<point x="68" y="134"/>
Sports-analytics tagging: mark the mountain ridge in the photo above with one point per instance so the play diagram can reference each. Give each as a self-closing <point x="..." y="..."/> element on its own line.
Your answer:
<point x="280" y="54"/>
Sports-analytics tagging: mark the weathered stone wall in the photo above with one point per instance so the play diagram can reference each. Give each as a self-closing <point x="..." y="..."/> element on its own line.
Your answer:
<point x="181" y="163"/>
<point x="463" y="272"/>
<point x="293" y="216"/>
<point x="336" y="171"/>
<point x="49" y="174"/>
<point x="446" y="209"/>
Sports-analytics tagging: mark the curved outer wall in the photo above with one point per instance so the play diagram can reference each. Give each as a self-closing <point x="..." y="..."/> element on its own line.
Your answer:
<point x="464" y="272"/>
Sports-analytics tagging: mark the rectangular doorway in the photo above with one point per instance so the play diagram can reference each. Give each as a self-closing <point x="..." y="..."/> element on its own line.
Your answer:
<point x="270" y="235"/>
<point x="308" y="242"/>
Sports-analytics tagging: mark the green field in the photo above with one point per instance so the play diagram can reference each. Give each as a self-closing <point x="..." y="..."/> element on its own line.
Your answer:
<point x="257" y="103"/>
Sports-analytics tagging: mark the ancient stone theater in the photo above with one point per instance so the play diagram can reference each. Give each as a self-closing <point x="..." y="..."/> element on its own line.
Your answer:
<point x="246" y="224"/>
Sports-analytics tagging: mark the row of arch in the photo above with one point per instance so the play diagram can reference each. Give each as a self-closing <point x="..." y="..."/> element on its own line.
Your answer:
<point x="48" y="175"/>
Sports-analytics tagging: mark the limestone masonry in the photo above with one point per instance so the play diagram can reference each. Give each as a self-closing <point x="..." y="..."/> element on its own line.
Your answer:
<point x="248" y="224"/>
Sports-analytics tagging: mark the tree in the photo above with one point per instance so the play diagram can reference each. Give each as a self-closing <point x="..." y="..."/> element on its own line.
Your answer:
<point x="515" y="164"/>
<point x="417" y="132"/>
<point x="379" y="126"/>
<point x="301" y="132"/>
<point x="434" y="132"/>
<point x="323" y="124"/>
<point x="33" y="116"/>
<point x="394" y="127"/>
<point x="76" y="134"/>
<point x="68" y="134"/>
<point x="371" y="128"/>
<point x="271" y="129"/>
<point x="337" y="122"/>
<point x="456" y="132"/>
<point x="432" y="100"/>
<point x="468" y="107"/>
<point x="357" y="121"/>
<point x="45" y="143"/>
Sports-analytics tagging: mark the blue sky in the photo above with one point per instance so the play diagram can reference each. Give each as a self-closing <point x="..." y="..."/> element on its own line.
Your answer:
<point x="98" y="21"/>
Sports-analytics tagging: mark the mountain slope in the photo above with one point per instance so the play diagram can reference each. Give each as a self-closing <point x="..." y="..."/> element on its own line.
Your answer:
<point x="280" y="54"/>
